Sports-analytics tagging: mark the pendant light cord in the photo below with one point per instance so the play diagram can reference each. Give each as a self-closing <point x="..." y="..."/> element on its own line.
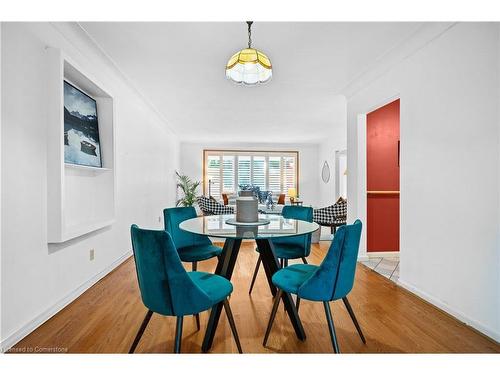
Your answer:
<point x="249" y="33"/>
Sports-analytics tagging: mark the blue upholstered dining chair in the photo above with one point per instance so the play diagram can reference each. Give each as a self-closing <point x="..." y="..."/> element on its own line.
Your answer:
<point x="191" y="247"/>
<point x="331" y="280"/>
<point x="167" y="289"/>
<point x="298" y="247"/>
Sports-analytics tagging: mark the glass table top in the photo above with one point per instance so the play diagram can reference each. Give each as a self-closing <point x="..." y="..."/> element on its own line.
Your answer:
<point x="216" y="226"/>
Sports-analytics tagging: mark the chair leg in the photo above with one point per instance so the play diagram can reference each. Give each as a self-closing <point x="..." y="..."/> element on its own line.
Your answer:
<point x="282" y="263"/>
<point x="297" y="304"/>
<point x="229" y="314"/>
<point x="144" y="324"/>
<point x="277" y="299"/>
<point x="286" y="262"/>
<point x="196" y="316"/>
<point x="304" y="260"/>
<point x="354" y="320"/>
<point x="178" y="334"/>
<point x="255" y="273"/>
<point x="331" y="327"/>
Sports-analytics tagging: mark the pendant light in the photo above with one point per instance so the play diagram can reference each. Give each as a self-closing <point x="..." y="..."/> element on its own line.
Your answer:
<point x="249" y="66"/>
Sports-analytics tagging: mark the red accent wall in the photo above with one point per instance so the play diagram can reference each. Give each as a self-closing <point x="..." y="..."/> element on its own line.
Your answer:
<point x="382" y="167"/>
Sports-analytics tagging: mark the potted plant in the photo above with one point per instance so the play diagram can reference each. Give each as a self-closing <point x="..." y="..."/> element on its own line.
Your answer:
<point x="188" y="188"/>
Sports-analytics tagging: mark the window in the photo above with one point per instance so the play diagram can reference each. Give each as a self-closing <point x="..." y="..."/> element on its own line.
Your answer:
<point x="224" y="171"/>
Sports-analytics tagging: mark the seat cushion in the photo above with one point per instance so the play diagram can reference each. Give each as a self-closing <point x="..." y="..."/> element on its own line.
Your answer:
<point x="288" y="251"/>
<point x="289" y="279"/>
<point x="216" y="287"/>
<point x="198" y="252"/>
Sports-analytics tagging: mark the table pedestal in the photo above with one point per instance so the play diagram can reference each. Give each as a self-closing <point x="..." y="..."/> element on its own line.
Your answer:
<point x="225" y="267"/>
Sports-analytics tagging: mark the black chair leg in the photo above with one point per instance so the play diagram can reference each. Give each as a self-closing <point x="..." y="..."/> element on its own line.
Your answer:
<point x="277" y="299"/>
<point x="331" y="327"/>
<point x="297" y="304"/>
<point x="304" y="260"/>
<point x="144" y="324"/>
<point x="178" y="334"/>
<point x="196" y="316"/>
<point x="286" y="262"/>
<point x="255" y="273"/>
<point x="282" y="263"/>
<point x="354" y="320"/>
<point x="229" y="314"/>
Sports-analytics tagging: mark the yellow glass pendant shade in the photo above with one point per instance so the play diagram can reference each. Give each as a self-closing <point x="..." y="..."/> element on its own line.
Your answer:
<point x="249" y="66"/>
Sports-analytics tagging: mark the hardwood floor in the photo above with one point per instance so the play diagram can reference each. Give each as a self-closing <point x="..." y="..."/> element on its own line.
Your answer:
<point x="106" y="318"/>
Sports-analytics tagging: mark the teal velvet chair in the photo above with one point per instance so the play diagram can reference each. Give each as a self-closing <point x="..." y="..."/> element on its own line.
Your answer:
<point x="167" y="289"/>
<point x="330" y="281"/>
<point x="298" y="247"/>
<point x="191" y="247"/>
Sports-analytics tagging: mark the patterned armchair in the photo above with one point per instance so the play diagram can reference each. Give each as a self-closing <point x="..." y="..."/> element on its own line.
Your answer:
<point x="211" y="207"/>
<point x="332" y="216"/>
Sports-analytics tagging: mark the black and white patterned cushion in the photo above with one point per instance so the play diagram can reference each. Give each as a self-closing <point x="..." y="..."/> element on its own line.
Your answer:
<point x="336" y="214"/>
<point x="211" y="207"/>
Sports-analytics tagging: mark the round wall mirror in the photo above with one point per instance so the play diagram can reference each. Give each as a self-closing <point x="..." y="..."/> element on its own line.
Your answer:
<point x="325" y="172"/>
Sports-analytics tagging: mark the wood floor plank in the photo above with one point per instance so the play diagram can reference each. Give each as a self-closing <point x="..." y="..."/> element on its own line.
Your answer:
<point x="105" y="319"/>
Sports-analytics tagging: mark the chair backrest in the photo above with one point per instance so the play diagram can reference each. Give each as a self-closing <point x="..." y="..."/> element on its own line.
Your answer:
<point x="297" y="213"/>
<point x="281" y="199"/>
<point x="173" y="217"/>
<point x="165" y="285"/>
<point x="334" y="278"/>
<point x="212" y="207"/>
<point x="336" y="213"/>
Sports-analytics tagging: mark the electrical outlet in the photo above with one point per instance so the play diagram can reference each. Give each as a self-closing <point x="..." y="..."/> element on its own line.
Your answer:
<point x="91" y="254"/>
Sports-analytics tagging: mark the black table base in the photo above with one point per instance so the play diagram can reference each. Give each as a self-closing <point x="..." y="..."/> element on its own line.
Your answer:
<point x="225" y="267"/>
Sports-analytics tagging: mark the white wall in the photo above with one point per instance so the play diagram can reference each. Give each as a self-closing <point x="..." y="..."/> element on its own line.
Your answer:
<point x="334" y="140"/>
<point x="449" y="92"/>
<point x="38" y="279"/>
<point x="191" y="162"/>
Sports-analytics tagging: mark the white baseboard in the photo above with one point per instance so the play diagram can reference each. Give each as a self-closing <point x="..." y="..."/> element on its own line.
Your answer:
<point x="29" y="327"/>
<point x="450" y="310"/>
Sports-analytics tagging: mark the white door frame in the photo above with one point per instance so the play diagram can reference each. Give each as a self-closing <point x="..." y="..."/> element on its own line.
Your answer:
<point x="361" y="178"/>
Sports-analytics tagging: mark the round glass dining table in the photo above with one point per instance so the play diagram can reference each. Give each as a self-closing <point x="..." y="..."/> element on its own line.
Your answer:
<point x="277" y="227"/>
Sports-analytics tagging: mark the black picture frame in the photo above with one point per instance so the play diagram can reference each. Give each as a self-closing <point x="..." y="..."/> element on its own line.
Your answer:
<point x="81" y="130"/>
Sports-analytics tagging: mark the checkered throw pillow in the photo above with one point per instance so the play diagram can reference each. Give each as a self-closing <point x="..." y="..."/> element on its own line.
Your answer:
<point x="334" y="214"/>
<point x="211" y="207"/>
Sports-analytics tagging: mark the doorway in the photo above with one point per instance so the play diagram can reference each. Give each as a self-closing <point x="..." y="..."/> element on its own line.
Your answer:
<point x="341" y="174"/>
<point x="382" y="178"/>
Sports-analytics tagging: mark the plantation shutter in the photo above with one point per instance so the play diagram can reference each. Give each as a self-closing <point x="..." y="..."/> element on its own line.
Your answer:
<point x="228" y="169"/>
<point x="274" y="179"/>
<point x="259" y="172"/>
<point x="289" y="173"/>
<point x="213" y="180"/>
<point x="244" y="170"/>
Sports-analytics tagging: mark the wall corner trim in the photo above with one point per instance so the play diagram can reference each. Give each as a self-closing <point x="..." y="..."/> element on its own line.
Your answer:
<point x="424" y="35"/>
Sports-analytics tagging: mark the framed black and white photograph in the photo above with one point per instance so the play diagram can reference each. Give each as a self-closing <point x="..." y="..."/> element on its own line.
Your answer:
<point x="81" y="130"/>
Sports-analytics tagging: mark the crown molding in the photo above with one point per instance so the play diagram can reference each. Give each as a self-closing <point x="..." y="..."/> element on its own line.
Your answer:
<point x="79" y="38"/>
<point x="424" y="35"/>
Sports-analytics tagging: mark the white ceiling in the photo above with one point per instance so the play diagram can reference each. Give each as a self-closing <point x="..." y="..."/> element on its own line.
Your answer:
<point x="179" y="68"/>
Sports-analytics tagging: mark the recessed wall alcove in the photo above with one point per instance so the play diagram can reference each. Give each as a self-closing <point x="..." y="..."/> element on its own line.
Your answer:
<point x="80" y="199"/>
